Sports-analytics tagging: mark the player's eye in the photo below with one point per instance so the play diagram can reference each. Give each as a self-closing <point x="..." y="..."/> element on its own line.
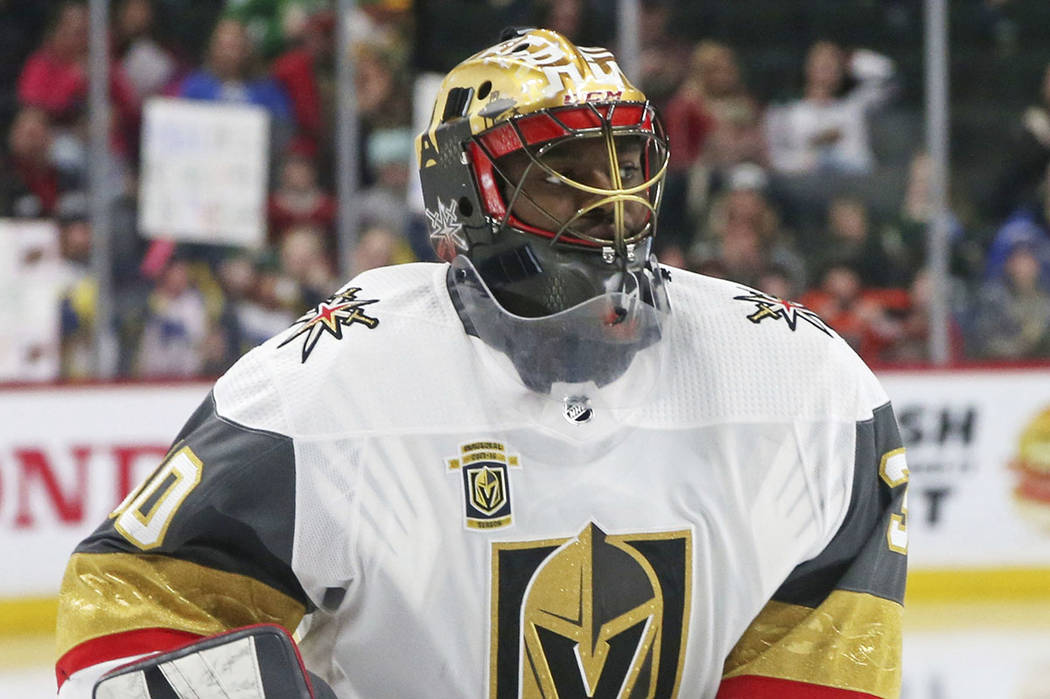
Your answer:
<point x="629" y="172"/>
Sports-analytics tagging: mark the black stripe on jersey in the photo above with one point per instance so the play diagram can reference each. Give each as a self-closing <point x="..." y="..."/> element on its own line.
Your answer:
<point x="157" y="685"/>
<point x="857" y="558"/>
<point x="240" y="518"/>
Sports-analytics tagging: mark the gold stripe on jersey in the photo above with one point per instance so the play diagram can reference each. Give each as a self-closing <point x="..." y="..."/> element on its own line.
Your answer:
<point x="851" y="641"/>
<point x="105" y="593"/>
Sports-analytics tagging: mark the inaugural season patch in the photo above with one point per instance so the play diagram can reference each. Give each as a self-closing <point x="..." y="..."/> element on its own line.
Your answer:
<point x="331" y="316"/>
<point x="486" y="483"/>
<point x="788" y="311"/>
<point x="596" y="615"/>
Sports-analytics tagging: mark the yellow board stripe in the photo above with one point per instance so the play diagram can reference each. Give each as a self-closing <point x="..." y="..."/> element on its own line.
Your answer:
<point x="28" y="615"/>
<point x="975" y="616"/>
<point x="958" y="585"/>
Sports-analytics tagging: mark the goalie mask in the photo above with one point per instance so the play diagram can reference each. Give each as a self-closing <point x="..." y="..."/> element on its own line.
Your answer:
<point x="542" y="170"/>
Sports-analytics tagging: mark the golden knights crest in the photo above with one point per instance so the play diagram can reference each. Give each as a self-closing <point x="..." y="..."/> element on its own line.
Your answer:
<point x="597" y="615"/>
<point x="486" y="483"/>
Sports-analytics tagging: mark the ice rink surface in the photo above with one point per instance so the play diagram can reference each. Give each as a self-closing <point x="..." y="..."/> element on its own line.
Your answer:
<point x="985" y="650"/>
<point x="26" y="667"/>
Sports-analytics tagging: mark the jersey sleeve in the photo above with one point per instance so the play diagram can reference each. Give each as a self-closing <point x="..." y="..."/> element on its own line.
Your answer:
<point x="204" y="545"/>
<point x="833" y="628"/>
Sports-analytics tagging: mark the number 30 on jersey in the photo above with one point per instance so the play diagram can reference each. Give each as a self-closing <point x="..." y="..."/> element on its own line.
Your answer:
<point x="894" y="472"/>
<point x="144" y="515"/>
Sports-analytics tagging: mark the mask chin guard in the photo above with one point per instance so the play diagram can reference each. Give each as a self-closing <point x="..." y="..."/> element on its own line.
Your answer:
<point x="606" y="350"/>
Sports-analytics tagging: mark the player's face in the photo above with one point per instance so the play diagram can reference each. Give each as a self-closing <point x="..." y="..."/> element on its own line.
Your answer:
<point x="547" y="201"/>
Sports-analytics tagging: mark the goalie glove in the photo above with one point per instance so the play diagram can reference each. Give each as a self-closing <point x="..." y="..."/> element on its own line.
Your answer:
<point x="254" y="662"/>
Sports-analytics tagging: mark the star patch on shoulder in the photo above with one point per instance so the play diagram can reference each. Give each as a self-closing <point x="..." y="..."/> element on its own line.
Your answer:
<point x="331" y="316"/>
<point x="789" y="311"/>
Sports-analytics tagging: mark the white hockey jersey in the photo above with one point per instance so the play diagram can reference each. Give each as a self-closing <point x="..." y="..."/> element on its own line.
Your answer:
<point x="433" y="530"/>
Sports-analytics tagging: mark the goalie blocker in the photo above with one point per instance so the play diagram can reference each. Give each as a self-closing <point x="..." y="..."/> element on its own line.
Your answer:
<point x="254" y="662"/>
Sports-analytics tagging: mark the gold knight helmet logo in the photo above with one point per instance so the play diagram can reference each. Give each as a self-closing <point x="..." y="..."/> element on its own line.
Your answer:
<point x="594" y="616"/>
<point x="489" y="490"/>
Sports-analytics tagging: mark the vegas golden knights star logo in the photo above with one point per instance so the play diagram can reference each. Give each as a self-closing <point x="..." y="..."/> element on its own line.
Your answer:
<point x="595" y="616"/>
<point x="486" y="483"/>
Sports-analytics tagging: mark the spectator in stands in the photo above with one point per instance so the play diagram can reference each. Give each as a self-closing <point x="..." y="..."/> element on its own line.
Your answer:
<point x="916" y="211"/>
<point x="30" y="184"/>
<point x="305" y="259"/>
<point x="236" y="277"/>
<point x="275" y="301"/>
<point x="77" y="302"/>
<point x="689" y="121"/>
<point x="176" y="326"/>
<point x="258" y="301"/>
<point x="777" y="282"/>
<point x="743" y="232"/>
<point x="564" y="17"/>
<point x="826" y="130"/>
<point x="390" y="154"/>
<point x="721" y="122"/>
<point x="382" y="83"/>
<point x="851" y="238"/>
<point x="24" y="22"/>
<point x="299" y="199"/>
<point x="305" y="71"/>
<point x="855" y="313"/>
<point x="576" y="19"/>
<point x="55" y="78"/>
<point x="74" y="227"/>
<point x="906" y="231"/>
<point x="664" y="57"/>
<point x="714" y="122"/>
<point x="232" y="73"/>
<point x="1028" y="226"/>
<point x="151" y="66"/>
<point x="379" y="247"/>
<point x="273" y="24"/>
<point x="1012" y="319"/>
<point x="1025" y="159"/>
<point x="911" y="342"/>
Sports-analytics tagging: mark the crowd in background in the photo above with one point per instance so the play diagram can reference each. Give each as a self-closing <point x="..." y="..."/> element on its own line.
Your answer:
<point x="815" y="189"/>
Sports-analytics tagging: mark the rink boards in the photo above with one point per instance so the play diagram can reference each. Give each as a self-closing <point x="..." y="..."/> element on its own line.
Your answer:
<point x="68" y="455"/>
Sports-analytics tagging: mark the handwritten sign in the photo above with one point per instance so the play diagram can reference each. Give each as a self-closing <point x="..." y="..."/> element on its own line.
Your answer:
<point x="204" y="172"/>
<point x="32" y="281"/>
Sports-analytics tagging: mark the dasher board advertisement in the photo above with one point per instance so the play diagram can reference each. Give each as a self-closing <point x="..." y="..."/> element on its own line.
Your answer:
<point x="68" y="456"/>
<point x="978" y="449"/>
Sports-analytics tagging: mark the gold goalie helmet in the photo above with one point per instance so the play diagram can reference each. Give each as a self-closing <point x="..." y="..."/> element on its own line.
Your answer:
<point x="542" y="170"/>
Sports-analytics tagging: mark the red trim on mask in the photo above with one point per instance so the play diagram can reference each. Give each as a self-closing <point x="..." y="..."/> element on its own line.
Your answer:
<point x="535" y="129"/>
<point x="544" y="126"/>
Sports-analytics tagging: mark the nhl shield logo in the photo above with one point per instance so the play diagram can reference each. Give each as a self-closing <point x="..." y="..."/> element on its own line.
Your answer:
<point x="486" y="483"/>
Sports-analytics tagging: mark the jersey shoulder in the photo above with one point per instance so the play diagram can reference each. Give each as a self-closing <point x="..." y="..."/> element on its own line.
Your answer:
<point x="350" y="362"/>
<point x="751" y="354"/>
